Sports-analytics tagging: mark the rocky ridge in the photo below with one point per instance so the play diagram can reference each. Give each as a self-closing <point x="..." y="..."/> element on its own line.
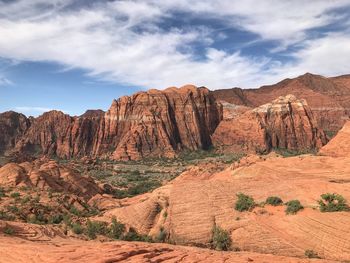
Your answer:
<point x="147" y="124"/>
<point x="285" y="123"/>
<point x="328" y="98"/>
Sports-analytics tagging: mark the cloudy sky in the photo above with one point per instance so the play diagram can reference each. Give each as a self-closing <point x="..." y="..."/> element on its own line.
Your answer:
<point x="75" y="55"/>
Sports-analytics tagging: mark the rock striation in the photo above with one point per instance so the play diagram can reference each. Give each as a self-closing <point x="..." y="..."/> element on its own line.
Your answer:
<point x="47" y="175"/>
<point x="285" y="123"/>
<point x="147" y="124"/>
<point x="12" y="127"/>
<point x="339" y="146"/>
<point x="328" y="98"/>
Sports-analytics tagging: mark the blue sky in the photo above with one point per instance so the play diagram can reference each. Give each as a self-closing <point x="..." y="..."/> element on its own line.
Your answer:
<point x="78" y="55"/>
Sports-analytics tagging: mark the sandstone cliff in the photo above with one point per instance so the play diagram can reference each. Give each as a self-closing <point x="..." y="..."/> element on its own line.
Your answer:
<point x="328" y="98"/>
<point x="12" y="126"/>
<point x="286" y="123"/>
<point x="147" y="124"/>
<point x="339" y="146"/>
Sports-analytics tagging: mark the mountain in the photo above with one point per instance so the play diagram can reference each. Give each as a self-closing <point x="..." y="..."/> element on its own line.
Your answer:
<point x="147" y="124"/>
<point x="286" y="123"/>
<point x="328" y="98"/>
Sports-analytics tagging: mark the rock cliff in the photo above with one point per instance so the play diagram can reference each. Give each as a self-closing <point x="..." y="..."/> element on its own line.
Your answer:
<point x="286" y="123"/>
<point x="147" y="124"/>
<point x="328" y="98"/>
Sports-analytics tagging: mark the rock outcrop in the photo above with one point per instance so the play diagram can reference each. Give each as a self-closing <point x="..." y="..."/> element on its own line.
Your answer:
<point x="15" y="250"/>
<point x="189" y="207"/>
<point x="12" y="127"/>
<point x="286" y="123"/>
<point x="339" y="146"/>
<point x="147" y="124"/>
<point x="48" y="175"/>
<point x="328" y="98"/>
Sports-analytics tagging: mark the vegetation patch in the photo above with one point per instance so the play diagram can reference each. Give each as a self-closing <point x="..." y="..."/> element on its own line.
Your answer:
<point x="9" y="231"/>
<point x="116" y="229"/>
<point x="333" y="203"/>
<point x="244" y="202"/>
<point x="293" y="207"/>
<point x="274" y="200"/>
<point x="221" y="239"/>
<point x="311" y="254"/>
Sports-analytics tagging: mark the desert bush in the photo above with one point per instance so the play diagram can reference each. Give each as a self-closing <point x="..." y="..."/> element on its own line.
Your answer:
<point x="221" y="239"/>
<point x="9" y="230"/>
<point x="56" y="219"/>
<point x="244" y="202"/>
<point x="333" y="203"/>
<point x="38" y="218"/>
<point x="274" y="200"/>
<point x="116" y="229"/>
<point x="77" y="228"/>
<point x="2" y="192"/>
<point x="75" y="211"/>
<point x="13" y="208"/>
<point x="15" y="195"/>
<point x="25" y="200"/>
<point x="311" y="254"/>
<point x="293" y="207"/>
<point x="94" y="228"/>
<point x="6" y="216"/>
<point x="132" y="235"/>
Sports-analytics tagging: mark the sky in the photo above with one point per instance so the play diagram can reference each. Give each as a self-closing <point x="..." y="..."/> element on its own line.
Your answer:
<point x="77" y="55"/>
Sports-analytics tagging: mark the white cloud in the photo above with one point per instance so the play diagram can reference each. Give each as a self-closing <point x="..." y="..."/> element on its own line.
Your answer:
<point x="35" y="110"/>
<point x="5" y="82"/>
<point x="107" y="40"/>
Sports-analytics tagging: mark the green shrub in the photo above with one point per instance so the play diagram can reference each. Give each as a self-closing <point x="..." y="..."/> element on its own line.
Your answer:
<point x="2" y="192"/>
<point x="132" y="235"/>
<point x="6" y="216"/>
<point x="13" y="208"/>
<point x="94" y="228"/>
<point x="77" y="228"/>
<point x="56" y="219"/>
<point x="311" y="254"/>
<point x="15" y="195"/>
<point x="25" y="200"/>
<point x="116" y="229"/>
<point x="293" y="207"/>
<point x="221" y="239"/>
<point x="274" y="200"/>
<point x="333" y="203"/>
<point x="38" y="218"/>
<point x="75" y="211"/>
<point x="9" y="231"/>
<point x="244" y="202"/>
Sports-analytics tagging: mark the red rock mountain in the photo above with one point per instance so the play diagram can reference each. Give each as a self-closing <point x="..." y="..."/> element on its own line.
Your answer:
<point x="12" y="127"/>
<point x="284" y="123"/>
<point x="328" y="98"/>
<point x="147" y="124"/>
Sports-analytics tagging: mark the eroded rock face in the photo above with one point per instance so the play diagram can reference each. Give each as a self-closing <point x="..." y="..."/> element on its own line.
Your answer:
<point x="339" y="146"/>
<point x="147" y="124"/>
<point x="48" y="175"/>
<point x="191" y="205"/>
<point x="328" y="98"/>
<point x="286" y="123"/>
<point x="12" y="126"/>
